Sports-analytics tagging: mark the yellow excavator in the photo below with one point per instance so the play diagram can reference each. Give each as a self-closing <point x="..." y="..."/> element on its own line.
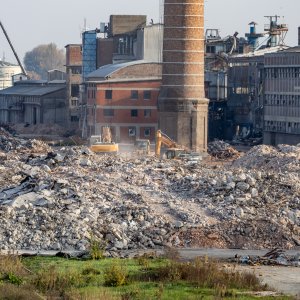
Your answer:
<point x="173" y="151"/>
<point x="103" y="143"/>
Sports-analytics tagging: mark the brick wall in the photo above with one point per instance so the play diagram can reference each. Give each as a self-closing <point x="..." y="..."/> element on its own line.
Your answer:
<point x="73" y="55"/>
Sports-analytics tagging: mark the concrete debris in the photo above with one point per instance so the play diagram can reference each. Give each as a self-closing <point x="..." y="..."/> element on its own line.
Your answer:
<point x="274" y="257"/>
<point x="222" y="150"/>
<point x="55" y="199"/>
<point x="284" y="158"/>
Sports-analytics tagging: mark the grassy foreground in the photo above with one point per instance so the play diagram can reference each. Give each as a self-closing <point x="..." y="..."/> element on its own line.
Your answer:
<point x="113" y="279"/>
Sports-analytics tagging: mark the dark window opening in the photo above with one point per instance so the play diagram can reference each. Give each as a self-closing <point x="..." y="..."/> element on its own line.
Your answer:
<point x="147" y="132"/>
<point x="134" y="95"/>
<point x="147" y="95"/>
<point x="74" y="119"/>
<point x="108" y="112"/>
<point x="131" y="131"/>
<point x="108" y="94"/>
<point x="134" y="112"/>
<point x="75" y="90"/>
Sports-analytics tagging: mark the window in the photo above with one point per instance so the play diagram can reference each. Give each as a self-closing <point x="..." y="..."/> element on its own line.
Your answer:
<point x="74" y="119"/>
<point x="74" y="102"/>
<point x="75" y="90"/>
<point x="134" y="95"/>
<point x="147" y="113"/>
<point x="147" y="132"/>
<point x="108" y="112"/>
<point x="76" y="70"/>
<point x="211" y="49"/>
<point x="147" y="95"/>
<point x="134" y="112"/>
<point x="108" y="94"/>
<point x="131" y="131"/>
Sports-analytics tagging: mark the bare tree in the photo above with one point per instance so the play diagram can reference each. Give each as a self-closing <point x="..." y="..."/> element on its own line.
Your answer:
<point x="43" y="58"/>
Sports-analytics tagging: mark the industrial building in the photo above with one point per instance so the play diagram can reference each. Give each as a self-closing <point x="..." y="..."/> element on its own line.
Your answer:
<point x="34" y="102"/>
<point x="217" y="52"/>
<point x="7" y="70"/>
<point x="183" y="108"/>
<point x="125" y="39"/>
<point x="124" y="98"/>
<point x="282" y="97"/>
<point x="73" y="81"/>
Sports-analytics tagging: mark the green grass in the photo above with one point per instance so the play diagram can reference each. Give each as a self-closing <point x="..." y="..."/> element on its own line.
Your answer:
<point x="71" y="279"/>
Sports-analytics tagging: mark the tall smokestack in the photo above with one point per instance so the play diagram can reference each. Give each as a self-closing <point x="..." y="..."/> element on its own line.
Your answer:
<point x="299" y="36"/>
<point x="182" y="106"/>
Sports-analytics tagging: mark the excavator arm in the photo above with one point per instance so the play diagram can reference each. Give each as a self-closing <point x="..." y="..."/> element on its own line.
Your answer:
<point x="163" y="139"/>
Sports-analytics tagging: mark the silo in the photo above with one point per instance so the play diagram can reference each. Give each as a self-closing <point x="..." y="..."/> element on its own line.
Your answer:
<point x="182" y="106"/>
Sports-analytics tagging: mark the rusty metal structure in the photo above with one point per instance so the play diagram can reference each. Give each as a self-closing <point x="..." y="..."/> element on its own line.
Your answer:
<point x="182" y="106"/>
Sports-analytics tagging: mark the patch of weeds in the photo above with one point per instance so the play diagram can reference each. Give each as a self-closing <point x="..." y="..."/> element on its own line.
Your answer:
<point x="12" y="278"/>
<point x="143" y="261"/>
<point x="171" y="253"/>
<point x="96" y="248"/>
<point x="90" y="271"/>
<point x="115" y="275"/>
<point x="134" y="293"/>
<point x="12" y="292"/>
<point x="12" y="264"/>
<point x="51" y="279"/>
<point x="93" y="294"/>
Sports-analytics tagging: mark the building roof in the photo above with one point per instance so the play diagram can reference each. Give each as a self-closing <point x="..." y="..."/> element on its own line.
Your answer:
<point x="7" y="64"/>
<point x="107" y="70"/>
<point x="293" y="49"/>
<point x="261" y="52"/>
<point x="31" y="90"/>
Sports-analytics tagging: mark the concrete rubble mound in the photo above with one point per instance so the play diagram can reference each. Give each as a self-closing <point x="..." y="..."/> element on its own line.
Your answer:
<point x="284" y="158"/>
<point x="222" y="150"/>
<point x="56" y="199"/>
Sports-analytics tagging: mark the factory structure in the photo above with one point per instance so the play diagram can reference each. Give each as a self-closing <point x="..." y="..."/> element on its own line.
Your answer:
<point x="136" y="76"/>
<point x="282" y="97"/>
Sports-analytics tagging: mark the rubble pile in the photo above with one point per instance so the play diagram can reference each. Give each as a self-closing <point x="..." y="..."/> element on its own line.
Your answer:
<point x="57" y="199"/>
<point x="273" y="257"/>
<point x="284" y="158"/>
<point x="10" y="143"/>
<point x="222" y="150"/>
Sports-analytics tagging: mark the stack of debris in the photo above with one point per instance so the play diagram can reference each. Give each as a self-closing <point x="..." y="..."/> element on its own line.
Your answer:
<point x="222" y="150"/>
<point x="284" y="158"/>
<point x="55" y="199"/>
<point x="273" y="258"/>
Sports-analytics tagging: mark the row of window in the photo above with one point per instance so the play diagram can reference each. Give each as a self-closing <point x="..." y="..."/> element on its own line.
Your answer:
<point x="134" y="95"/>
<point x="107" y="112"/>
<point x="282" y="100"/>
<point x="284" y="127"/>
<point x="283" y="72"/>
<point x="132" y="132"/>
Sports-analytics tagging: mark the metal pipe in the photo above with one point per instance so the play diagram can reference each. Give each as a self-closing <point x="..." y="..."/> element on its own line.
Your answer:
<point x="12" y="48"/>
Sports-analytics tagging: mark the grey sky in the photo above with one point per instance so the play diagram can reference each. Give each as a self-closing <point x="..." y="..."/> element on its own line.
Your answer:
<point x="33" y="22"/>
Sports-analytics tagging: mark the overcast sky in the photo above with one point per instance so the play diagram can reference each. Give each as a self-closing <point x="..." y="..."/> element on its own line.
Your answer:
<point x="33" y="22"/>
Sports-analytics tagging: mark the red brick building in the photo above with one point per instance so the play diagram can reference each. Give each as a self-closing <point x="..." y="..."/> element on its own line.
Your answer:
<point x="74" y="71"/>
<point x="124" y="97"/>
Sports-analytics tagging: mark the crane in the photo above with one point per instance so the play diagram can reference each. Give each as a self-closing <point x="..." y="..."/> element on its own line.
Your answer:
<point x="13" y="49"/>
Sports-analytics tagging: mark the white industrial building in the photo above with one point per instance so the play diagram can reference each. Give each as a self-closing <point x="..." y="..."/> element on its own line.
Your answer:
<point x="7" y="71"/>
